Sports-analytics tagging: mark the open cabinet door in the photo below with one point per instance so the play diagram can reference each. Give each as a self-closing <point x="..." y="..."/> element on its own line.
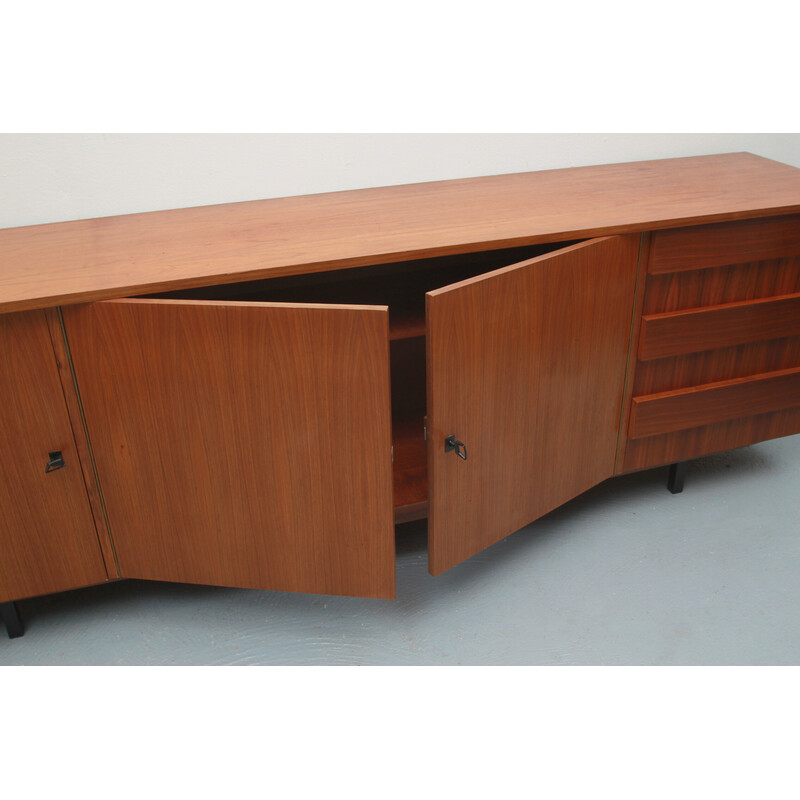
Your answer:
<point x="242" y="444"/>
<point x="526" y="368"/>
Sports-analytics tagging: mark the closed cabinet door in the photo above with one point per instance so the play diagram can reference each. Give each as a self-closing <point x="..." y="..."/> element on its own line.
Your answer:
<point x="48" y="540"/>
<point x="240" y="443"/>
<point x="526" y="368"/>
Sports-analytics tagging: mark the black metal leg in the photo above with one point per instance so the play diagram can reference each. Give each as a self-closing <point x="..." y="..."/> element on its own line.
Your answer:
<point x="677" y="472"/>
<point x="12" y="620"/>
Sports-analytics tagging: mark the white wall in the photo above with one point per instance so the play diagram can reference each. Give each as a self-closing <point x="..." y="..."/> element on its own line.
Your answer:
<point x="55" y="177"/>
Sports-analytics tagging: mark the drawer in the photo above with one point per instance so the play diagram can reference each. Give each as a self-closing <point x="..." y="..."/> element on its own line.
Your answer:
<point x="681" y="332"/>
<point x="724" y="243"/>
<point x="666" y="412"/>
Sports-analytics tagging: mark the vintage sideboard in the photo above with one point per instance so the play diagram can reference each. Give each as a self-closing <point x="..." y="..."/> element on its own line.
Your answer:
<point x="254" y="394"/>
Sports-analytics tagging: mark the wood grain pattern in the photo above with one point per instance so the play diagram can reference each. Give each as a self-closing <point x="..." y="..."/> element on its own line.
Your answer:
<point x="72" y="262"/>
<point x="401" y="286"/>
<point x="734" y="283"/>
<point x="695" y="442"/>
<point x="633" y="347"/>
<point x="242" y="444"/>
<point x="48" y="541"/>
<point x="725" y="243"/>
<point x="526" y="366"/>
<point x="712" y="366"/>
<point x="81" y="439"/>
<point x="743" y="282"/>
<point x="657" y="414"/>
<point x="680" y="332"/>
<point x="709" y="288"/>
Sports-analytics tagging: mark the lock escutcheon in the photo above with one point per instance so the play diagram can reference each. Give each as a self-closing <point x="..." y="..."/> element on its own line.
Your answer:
<point x="56" y="461"/>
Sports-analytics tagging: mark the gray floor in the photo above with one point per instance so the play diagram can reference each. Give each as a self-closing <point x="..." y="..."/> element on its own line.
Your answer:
<point x="625" y="574"/>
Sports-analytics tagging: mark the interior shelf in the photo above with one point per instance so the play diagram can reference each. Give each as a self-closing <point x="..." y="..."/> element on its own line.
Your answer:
<point x="406" y="321"/>
<point x="410" y="466"/>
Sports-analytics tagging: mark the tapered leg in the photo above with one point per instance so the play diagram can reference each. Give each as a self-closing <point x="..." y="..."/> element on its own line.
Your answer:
<point x="12" y="620"/>
<point x="677" y="472"/>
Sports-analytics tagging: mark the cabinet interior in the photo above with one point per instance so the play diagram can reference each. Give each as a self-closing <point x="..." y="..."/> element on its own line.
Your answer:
<point x="401" y="286"/>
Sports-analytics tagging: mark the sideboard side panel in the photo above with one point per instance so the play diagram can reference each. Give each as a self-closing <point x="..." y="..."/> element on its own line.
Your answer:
<point x="48" y="541"/>
<point x="67" y="377"/>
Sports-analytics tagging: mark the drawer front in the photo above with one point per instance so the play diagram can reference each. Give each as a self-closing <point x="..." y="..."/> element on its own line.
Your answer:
<point x="717" y="361"/>
<point x="677" y="333"/>
<point x="667" y="412"/>
<point x="706" y="246"/>
<point x="733" y="270"/>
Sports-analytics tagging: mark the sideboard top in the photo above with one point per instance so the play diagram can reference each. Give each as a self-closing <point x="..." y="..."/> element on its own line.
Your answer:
<point x="69" y="262"/>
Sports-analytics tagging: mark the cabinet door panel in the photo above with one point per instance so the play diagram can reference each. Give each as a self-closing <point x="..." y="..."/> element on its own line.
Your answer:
<point x="242" y="444"/>
<point x="526" y="367"/>
<point x="48" y="541"/>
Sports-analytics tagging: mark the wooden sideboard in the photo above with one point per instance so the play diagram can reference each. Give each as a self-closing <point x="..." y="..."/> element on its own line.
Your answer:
<point x="254" y="394"/>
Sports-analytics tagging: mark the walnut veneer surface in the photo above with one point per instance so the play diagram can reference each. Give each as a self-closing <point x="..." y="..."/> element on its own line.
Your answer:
<point x="48" y="541"/>
<point x="269" y="433"/>
<point x="527" y="365"/>
<point x="718" y="344"/>
<point x="69" y="262"/>
<point x="242" y="445"/>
